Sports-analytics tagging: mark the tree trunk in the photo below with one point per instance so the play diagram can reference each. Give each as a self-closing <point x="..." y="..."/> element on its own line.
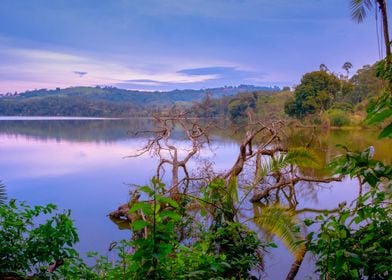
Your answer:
<point x="295" y="266"/>
<point x="174" y="192"/>
<point x="383" y="8"/>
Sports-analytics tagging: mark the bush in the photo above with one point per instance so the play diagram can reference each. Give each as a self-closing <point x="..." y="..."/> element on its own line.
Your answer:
<point x="356" y="242"/>
<point x="29" y="249"/>
<point x="227" y="250"/>
<point x="338" y="117"/>
<point x="343" y="106"/>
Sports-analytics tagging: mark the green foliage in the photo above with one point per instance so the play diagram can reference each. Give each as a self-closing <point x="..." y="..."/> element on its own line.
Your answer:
<point x="108" y="101"/>
<point x="270" y="107"/>
<point x="225" y="250"/>
<point x="343" y="106"/>
<point x="366" y="85"/>
<point x="239" y="106"/>
<point x="151" y="256"/>
<point x="345" y="252"/>
<point x="338" y="117"/>
<point x="380" y="111"/>
<point x="301" y="157"/>
<point x="356" y="243"/>
<point x="316" y="92"/>
<point x="384" y="70"/>
<point x="29" y="248"/>
<point x="362" y="165"/>
<point x="282" y="222"/>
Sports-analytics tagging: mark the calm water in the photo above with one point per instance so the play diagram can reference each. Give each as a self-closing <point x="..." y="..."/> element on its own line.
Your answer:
<point x="81" y="165"/>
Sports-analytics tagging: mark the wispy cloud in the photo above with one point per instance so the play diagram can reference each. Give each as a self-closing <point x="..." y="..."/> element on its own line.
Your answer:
<point x="80" y="73"/>
<point x="220" y="72"/>
<point x="25" y="69"/>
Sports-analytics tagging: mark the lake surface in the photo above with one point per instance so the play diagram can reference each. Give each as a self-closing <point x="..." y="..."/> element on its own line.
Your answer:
<point x="82" y="165"/>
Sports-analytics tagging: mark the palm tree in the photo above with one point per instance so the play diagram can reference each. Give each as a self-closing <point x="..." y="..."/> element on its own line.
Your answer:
<point x="347" y="66"/>
<point x="323" y="67"/>
<point x="359" y="9"/>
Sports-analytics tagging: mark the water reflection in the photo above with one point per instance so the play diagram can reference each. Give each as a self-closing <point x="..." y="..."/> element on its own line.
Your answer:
<point x="75" y="130"/>
<point x="80" y="165"/>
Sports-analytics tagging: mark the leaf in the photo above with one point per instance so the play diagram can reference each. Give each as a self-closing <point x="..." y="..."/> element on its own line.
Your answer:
<point x="170" y="214"/>
<point x="232" y="188"/>
<point x="386" y="132"/>
<point x="147" y="190"/>
<point x="308" y="222"/>
<point x="281" y="222"/>
<point x="303" y="157"/>
<point x="139" y="224"/>
<point x="359" y="9"/>
<point x="169" y="201"/>
<point x="146" y="207"/>
<point x="379" y="116"/>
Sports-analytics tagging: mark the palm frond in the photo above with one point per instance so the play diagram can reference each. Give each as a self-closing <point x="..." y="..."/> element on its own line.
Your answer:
<point x="359" y="9"/>
<point x="303" y="157"/>
<point x="3" y="195"/>
<point x="233" y="189"/>
<point x="282" y="223"/>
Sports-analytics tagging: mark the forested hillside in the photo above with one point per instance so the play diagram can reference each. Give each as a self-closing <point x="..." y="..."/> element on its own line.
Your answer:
<point x="321" y="98"/>
<point x="107" y="101"/>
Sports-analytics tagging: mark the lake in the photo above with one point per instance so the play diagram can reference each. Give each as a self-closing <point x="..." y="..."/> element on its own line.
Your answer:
<point x="82" y="165"/>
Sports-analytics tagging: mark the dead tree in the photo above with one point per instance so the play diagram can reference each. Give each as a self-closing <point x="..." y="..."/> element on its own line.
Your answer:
<point x="264" y="142"/>
<point x="170" y="154"/>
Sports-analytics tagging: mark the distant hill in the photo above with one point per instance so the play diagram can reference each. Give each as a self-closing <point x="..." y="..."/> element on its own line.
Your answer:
<point x="107" y="101"/>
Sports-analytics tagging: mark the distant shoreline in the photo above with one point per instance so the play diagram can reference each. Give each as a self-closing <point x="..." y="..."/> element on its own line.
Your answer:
<point x="54" y="118"/>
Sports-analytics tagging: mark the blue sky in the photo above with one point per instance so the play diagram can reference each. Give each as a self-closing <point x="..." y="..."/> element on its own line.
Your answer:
<point x="168" y="44"/>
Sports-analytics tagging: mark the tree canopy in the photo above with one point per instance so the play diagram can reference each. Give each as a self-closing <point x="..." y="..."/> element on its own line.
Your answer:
<point x="315" y="93"/>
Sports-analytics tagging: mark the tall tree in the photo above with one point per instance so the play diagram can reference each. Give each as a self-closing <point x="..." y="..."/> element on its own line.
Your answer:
<point x="347" y="66"/>
<point x="359" y="10"/>
<point x="323" y="67"/>
<point x="315" y="93"/>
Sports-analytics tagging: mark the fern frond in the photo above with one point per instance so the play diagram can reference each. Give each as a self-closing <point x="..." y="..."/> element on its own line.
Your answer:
<point x="282" y="222"/>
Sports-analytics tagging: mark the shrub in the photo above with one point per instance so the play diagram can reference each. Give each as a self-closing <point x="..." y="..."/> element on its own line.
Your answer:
<point x="338" y="117"/>
<point x="26" y="248"/>
<point x="356" y="242"/>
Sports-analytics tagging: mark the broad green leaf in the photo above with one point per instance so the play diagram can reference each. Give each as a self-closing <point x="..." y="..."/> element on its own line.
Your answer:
<point x="386" y="132"/>
<point x="139" y="224"/>
<point x="147" y="190"/>
<point x="379" y="116"/>
<point x="170" y="214"/>
<point x="169" y="201"/>
<point x="144" y="206"/>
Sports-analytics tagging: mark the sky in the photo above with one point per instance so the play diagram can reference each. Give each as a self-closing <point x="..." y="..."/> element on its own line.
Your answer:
<point x="177" y="44"/>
